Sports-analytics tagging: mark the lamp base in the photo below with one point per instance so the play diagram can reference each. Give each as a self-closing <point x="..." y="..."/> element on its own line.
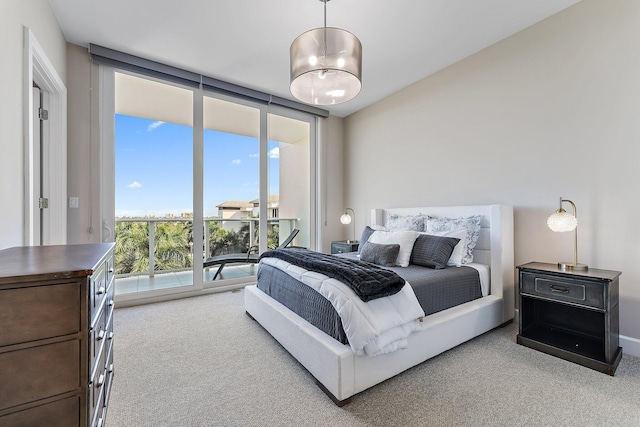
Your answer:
<point x="572" y="266"/>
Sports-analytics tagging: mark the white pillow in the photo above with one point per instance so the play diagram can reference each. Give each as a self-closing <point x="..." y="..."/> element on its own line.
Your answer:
<point x="404" y="238"/>
<point x="460" y="249"/>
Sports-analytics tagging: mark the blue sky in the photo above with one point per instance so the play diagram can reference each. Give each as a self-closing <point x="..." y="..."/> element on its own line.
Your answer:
<point x="154" y="168"/>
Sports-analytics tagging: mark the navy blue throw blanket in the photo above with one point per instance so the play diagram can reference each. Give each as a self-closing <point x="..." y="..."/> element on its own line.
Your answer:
<point x="367" y="280"/>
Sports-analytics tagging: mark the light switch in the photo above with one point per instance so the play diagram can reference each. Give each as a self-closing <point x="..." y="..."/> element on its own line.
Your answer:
<point x="73" y="202"/>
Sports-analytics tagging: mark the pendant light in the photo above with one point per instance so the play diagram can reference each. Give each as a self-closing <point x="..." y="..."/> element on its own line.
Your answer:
<point x="326" y="65"/>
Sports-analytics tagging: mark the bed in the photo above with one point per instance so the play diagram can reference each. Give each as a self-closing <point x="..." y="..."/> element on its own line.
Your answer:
<point x="340" y="373"/>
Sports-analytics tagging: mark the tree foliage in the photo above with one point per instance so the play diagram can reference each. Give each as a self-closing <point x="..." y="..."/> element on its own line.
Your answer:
<point x="173" y="244"/>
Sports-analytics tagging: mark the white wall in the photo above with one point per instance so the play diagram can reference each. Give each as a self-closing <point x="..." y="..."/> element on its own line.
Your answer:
<point x="82" y="161"/>
<point x="331" y="181"/>
<point x="14" y="15"/>
<point x="551" y="111"/>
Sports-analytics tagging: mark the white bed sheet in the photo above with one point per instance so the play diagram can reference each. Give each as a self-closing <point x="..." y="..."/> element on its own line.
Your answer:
<point x="485" y="273"/>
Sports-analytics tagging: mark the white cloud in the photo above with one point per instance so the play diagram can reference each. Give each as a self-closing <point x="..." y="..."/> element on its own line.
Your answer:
<point x="274" y="153"/>
<point x="134" y="184"/>
<point x="154" y="125"/>
<point x="252" y="156"/>
<point x="236" y="162"/>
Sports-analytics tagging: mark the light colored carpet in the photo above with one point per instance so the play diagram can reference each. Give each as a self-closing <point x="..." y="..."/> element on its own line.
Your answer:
<point x="203" y="362"/>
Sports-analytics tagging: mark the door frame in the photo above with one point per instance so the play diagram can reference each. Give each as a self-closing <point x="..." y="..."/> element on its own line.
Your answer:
<point x="39" y="69"/>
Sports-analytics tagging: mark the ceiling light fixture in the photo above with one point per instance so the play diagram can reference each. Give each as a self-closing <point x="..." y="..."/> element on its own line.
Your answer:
<point x="326" y="65"/>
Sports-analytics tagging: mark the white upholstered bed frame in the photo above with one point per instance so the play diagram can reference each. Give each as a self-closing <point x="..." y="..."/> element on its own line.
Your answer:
<point x="342" y="374"/>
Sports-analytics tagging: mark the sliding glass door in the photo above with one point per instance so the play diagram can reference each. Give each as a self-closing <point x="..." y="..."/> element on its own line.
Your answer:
<point x="231" y="189"/>
<point x="289" y="178"/>
<point x="203" y="183"/>
<point x="153" y="185"/>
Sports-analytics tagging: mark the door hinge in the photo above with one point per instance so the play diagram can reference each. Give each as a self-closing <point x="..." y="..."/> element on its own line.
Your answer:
<point x="43" y="114"/>
<point x="43" y="203"/>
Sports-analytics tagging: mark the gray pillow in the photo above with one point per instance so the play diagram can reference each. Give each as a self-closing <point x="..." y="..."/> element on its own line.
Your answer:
<point x="384" y="255"/>
<point x="366" y="233"/>
<point x="433" y="251"/>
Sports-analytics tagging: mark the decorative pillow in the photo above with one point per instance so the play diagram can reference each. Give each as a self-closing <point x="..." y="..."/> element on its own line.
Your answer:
<point x="405" y="239"/>
<point x="470" y="223"/>
<point x="406" y="222"/>
<point x="433" y="251"/>
<point x="461" y="247"/>
<point x="366" y="233"/>
<point x="384" y="255"/>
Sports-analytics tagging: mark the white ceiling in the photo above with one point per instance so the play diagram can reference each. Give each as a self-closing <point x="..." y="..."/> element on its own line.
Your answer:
<point x="246" y="42"/>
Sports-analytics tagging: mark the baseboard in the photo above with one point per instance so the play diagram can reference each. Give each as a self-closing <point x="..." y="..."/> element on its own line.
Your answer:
<point x="630" y="345"/>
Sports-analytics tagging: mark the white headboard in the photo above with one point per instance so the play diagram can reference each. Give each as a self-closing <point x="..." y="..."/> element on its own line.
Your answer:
<point x="494" y="247"/>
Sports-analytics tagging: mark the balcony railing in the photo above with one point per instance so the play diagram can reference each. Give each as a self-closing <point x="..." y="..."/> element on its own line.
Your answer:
<point x="285" y="225"/>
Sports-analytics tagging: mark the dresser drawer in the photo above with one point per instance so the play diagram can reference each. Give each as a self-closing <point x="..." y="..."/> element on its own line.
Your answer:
<point x="97" y="290"/>
<point x="97" y="383"/>
<point x="37" y="312"/>
<point x="39" y="372"/>
<point x="109" y="369"/>
<point x="110" y="269"/>
<point x="61" y="413"/>
<point x="581" y="292"/>
<point x="97" y="338"/>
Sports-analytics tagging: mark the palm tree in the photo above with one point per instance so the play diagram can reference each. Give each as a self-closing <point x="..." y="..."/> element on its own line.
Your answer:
<point x="172" y="245"/>
<point x="132" y="247"/>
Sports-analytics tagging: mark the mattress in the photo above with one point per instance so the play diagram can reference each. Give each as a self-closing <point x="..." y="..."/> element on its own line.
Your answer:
<point x="436" y="290"/>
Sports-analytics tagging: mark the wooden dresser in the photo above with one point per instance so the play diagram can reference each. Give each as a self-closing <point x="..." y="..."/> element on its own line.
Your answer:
<point x="56" y="334"/>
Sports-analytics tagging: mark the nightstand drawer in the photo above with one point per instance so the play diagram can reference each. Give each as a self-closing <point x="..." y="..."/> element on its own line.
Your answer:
<point x="343" y="247"/>
<point x="574" y="291"/>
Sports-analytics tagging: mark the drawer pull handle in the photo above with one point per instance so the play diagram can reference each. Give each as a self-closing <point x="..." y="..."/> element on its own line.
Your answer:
<point x="111" y="270"/>
<point x="110" y="370"/>
<point x="110" y="335"/>
<point x="101" y="290"/>
<point x="111" y="303"/>
<point x="559" y="289"/>
<point x="100" y="381"/>
<point x="100" y="335"/>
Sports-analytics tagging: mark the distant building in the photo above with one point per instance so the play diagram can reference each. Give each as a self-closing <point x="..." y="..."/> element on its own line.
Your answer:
<point x="235" y="209"/>
<point x="273" y="204"/>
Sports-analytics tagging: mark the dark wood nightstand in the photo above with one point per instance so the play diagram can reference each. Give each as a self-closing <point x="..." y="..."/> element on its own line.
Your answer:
<point x="344" y="246"/>
<point x="573" y="315"/>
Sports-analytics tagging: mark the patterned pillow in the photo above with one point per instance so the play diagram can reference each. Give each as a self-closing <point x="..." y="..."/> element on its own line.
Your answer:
<point x="433" y="251"/>
<point x="470" y="223"/>
<point x="406" y="222"/>
<point x="384" y="255"/>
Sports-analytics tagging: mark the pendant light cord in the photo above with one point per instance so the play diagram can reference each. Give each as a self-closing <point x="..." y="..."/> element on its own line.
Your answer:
<point x="325" y="13"/>
<point x="325" y="32"/>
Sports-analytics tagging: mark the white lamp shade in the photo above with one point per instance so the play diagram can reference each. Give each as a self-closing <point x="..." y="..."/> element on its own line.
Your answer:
<point x="561" y="221"/>
<point x="326" y="66"/>
<point x="345" y="218"/>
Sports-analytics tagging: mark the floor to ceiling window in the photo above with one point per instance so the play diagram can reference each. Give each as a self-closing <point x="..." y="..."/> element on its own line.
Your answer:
<point x="231" y="190"/>
<point x="192" y="166"/>
<point x="153" y="185"/>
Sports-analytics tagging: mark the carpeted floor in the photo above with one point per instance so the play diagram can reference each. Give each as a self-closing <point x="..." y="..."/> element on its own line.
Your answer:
<point x="203" y="362"/>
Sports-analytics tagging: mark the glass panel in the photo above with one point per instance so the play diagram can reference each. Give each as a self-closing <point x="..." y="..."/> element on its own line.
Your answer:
<point x="153" y="185"/>
<point x="231" y="164"/>
<point x="289" y="180"/>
